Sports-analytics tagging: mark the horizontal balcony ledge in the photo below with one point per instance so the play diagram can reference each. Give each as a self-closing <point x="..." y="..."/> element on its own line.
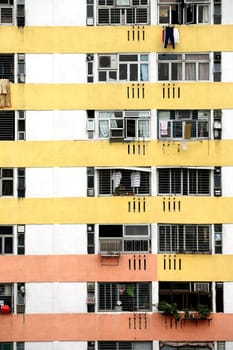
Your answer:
<point x="131" y="95"/>
<point x="138" y="327"/>
<point x="101" y="153"/>
<point x="80" y="39"/>
<point x="82" y="210"/>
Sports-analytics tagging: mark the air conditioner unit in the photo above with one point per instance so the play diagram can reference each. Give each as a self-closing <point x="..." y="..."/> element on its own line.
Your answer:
<point x="201" y="287"/>
<point x="90" y="124"/>
<point x="90" y="192"/>
<point x="108" y="62"/>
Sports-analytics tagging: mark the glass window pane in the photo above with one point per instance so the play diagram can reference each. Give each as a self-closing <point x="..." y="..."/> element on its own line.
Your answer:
<point x="190" y="71"/>
<point x="133" y="72"/>
<point x="7" y="187"/>
<point x="203" y="14"/>
<point x="203" y="71"/>
<point x="141" y="15"/>
<point x="164" y="14"/>
<point x="115" y="16"/>
<point x="130" y="16"/>
<point x="144" y="72"/>
<point x="102" y="76"/>
<point x="8" y="245"/>
<point x="163" y="71"/>
<point x="123" y="71"/>
<point x="103" y="16"/>
<point x="176" y="71"/>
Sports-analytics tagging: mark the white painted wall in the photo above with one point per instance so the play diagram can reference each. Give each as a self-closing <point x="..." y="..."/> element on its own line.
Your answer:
<point x="227" y="125"/>
<point x="56" y="125"/>
<point x="55" y="12"/>
<point x="55" y="239"/>
<point x="227" y="182"/>
<point x="56" y="68"/>
<point x="227" y="10"/>
<point x="56" y="345"/>
<point x="228" y="345"/>
<point x="56" y="297"/>
<point x="228" y="292"/>
<point x="227" y="66"/>
<point x="227" y="238"/>
<point x="56" y="182"/>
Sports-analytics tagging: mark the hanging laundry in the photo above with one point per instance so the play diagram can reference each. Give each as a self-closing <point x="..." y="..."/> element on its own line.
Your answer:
<point x="5" y="93"/>
<point x="176" y="35"/>
<point x="169" y="37"/>
<point x="135" y="178"/>
<point x="163" y="127"/>
<point x="116" y="178"/>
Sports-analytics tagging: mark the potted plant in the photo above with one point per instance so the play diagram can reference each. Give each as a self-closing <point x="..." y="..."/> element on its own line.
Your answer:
<point x="203" y="310"/>
<point x="169" y="309"/>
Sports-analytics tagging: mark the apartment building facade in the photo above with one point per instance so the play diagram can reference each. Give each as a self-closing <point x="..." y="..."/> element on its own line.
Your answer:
<point x="116" y="175"/>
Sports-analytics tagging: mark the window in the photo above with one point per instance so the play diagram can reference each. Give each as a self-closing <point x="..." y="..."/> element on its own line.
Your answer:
<point x="123" y="67"/>
<point x="7" y="125"/>
<point x="6" y="240"/>
<point x="186" y="346"/>
<point x="124" y="238"/>
<point x="125" y="345"/>
<point x="6" y="182"/>
<point x="130" y="296"/>
<point x="6" y="12"/>
<point x="7" y="66"/>
<point x="124" y="182"/>
<point x="125" y="125"/>
<point x="183" y="124"/>
<point x="183" y="181"/>
<point x="183" y="67"/>
<point x="187" y="295"/>
<point x="6" y="295"/>
<point x="120" y="12"/>
<point x="184" y="238"/>
<point x="184" y="12"/>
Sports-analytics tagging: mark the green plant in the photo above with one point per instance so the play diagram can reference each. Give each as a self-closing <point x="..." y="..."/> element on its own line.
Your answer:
<point x="169" y="309"/>
<point x="203" y="310"/>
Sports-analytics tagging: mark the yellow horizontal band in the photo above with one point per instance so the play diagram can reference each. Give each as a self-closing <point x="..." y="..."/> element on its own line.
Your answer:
<point x="194" y="267"/>
<point x="109" y="39"/>
<point x="195" y="95"/>
<point x="103" y="153"/>
<point x="129" y="210"/>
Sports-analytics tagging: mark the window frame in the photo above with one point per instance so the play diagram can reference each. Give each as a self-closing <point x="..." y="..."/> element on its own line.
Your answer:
<point x="122" y="68"/>
<point x="186" y="184"/>
<point x="123" y="13"/>
<point x="114" y="117"/>
<point x="176" y="68"/>
<point x="174" y="238"/>
<point x="115" y="292"/>
<point x="169" y="119"/>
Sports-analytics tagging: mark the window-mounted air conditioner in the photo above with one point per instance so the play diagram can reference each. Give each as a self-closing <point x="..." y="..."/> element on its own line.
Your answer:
<point x="201" y="287"/>
<point x="107" y="62"/>
<point x="90" y="124"/>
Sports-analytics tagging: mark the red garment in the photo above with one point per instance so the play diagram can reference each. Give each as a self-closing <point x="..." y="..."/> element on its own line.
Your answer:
<point x="5" y="309"/>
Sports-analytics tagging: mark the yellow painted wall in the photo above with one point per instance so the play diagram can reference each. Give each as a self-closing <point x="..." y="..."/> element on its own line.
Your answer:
<point x="100" y="96"/>
<point x="112" y="39"/>
<point x="103" y="153"/>
<point x="128" y="209"/>
<point x="195" y="267"/>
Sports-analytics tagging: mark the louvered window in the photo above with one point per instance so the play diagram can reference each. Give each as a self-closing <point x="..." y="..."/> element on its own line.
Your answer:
<point x="7" y="67"/>
<point x="124" y="345"/>
<point x="184" y="238"/>
<point x="181" y="181"/>
<point x="7" y="125"/>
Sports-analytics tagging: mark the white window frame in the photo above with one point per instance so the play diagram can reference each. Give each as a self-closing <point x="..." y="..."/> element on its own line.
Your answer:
<point x="6" y="178"/>
<point x="166" y="125"/>
<point x="3" y="238"/>
<point x="117" y="120"/>
<point x="112" y="70"/>
<point x="122" y="9"/>
<point x="183" y="59"/>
